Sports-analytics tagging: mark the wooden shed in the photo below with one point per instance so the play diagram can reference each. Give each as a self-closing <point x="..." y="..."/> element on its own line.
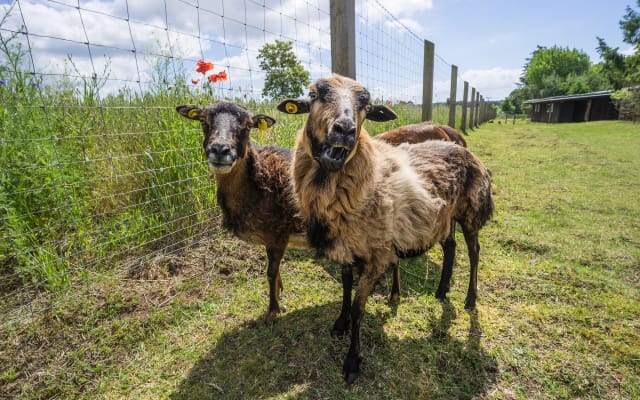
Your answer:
<point x="593" y="106"/>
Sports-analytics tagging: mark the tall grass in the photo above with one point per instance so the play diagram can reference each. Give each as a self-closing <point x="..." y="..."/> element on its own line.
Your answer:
<point x="89" y="181"/>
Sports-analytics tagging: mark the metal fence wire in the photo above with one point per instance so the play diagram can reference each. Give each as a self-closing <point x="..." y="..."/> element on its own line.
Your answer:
<point x="98" y="171"/>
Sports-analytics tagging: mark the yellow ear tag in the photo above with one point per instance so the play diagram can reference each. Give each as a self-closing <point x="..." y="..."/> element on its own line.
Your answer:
<point x="194" y="114"/>
<point x="291" y="108"/>
<point x="262" y="124"/>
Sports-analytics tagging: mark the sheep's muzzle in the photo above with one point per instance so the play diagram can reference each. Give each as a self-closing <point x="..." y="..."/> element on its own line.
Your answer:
<point x="340" y="142"/>
<point x="221" y="158"/>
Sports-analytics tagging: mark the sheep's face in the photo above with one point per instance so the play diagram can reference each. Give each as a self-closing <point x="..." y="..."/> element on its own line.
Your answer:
<point x="337" y="108"/>
<point x="226" y="129"/>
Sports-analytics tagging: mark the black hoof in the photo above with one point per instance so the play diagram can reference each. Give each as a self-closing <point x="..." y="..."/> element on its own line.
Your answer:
<point x="340" y="328"/>
<point x="351" y="369"/>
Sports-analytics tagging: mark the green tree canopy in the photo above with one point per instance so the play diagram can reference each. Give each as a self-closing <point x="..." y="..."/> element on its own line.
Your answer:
<point x="630" y="25"/>
<point x="548" y="67"/>
<point x="286" y="77"/>
<point x="623" y="71"/>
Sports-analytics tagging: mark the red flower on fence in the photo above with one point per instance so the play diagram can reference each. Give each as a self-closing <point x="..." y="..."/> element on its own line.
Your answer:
<point x="203" y="66"/>
<point x="219" y="77"/>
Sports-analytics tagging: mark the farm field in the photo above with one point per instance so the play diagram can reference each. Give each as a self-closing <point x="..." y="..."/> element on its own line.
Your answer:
<point x="557" y="315"/>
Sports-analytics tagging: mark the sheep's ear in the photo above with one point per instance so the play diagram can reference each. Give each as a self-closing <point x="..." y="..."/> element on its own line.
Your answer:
<point x="189" y="111"/>
<point x="380" y="113"/>
<point x="294" y="106"/>
<point x="262" y="121"/>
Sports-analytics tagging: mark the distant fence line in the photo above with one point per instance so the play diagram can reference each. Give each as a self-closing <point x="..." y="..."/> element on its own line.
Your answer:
<point x="98" y="171"/>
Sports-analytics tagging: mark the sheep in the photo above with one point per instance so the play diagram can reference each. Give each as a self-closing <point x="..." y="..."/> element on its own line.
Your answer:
<point x="368" y="203"/>
<point x="253" y="187"/>
<point x="413" y="133"/>
<point x="454" y="135"/>
<point x="416" y="133"/>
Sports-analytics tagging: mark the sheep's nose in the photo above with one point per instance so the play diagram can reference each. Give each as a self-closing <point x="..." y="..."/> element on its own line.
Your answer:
<point x="218" y="149"/>
<point x="344" y="127"/>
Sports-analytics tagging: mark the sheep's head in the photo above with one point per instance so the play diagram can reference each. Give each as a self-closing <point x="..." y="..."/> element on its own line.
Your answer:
<point x="337" y="108"/>
<point x="226" y="129"/>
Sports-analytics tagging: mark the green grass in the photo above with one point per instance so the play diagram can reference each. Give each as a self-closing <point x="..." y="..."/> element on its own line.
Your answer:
<point x="559" y="298"/>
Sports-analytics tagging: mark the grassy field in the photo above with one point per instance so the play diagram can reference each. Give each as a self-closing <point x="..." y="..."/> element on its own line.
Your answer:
<point x="559" y="300"/>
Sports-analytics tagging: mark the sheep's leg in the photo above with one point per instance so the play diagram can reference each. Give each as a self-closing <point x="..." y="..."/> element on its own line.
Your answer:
<point x="473" y="245"/>
<point x="449" y="254"/>
<point x="341" y="326"/>
<point x="274" y="254"/>
<point x="351" y="366"/>
<point x="395" y="285"/>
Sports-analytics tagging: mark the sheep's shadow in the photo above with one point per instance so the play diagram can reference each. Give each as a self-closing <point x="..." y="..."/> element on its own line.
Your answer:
<point x="419" y="275"/>
<point x="297" y="357"/>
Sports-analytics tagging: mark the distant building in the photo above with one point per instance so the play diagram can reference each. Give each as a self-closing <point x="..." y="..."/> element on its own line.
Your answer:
<point x="575" y="108"/>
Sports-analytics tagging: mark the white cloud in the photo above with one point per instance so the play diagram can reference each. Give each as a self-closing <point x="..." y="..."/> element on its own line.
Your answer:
<point x="400" y="8"/>
<point x="493" y="83"/>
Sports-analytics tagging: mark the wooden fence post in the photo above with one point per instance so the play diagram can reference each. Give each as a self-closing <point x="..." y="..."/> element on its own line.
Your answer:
<point x="452" y="96"/>
<point x="343" y="37"/>
<point x="477" y="110"/>
<point x="463" y="118"/>
<point x="472" y="108"/>
<point x="427" y="81"/>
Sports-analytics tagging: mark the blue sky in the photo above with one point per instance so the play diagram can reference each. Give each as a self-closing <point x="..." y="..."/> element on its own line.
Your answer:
<point x="489" y="40"/>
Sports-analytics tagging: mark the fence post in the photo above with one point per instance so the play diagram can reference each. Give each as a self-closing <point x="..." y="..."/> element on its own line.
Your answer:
<point x="483" y="111"/>
<point x="465" y="95"/>
<point x="427" y="81"/>
<point x="477" y="110"/>
<point x="452" y="96"/>
<point x="343" y="37"/>
<point x="472" y="108"/>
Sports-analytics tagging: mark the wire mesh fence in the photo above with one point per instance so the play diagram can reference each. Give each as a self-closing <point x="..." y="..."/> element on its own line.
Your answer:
<point x="99" y="173"/>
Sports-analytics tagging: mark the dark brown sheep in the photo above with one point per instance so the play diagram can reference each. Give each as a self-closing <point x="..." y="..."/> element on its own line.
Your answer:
<point x="253" y="187"/>
<point x="369" y="203"/>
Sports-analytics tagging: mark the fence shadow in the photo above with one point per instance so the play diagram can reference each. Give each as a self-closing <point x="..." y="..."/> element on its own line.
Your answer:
<point x="297" y="357"/>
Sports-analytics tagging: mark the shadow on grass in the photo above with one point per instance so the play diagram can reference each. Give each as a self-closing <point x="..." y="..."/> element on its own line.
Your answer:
<point x="297" y="358"/>
<point x="418" y="276"/>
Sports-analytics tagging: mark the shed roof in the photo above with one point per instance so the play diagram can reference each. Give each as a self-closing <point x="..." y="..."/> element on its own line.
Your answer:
<point x="592" y="95"/>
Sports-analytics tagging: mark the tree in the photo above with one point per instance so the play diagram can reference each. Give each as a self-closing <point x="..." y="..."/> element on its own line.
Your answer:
<point x="550" y="71"/>
<point x="507" y="106"/>
<point x="623" y="71"/>
<point x="286" y="77"/>
<point x="630" y="25"/>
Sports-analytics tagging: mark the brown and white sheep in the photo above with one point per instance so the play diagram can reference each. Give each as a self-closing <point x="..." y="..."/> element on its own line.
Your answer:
<point x="368" y="203"/>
